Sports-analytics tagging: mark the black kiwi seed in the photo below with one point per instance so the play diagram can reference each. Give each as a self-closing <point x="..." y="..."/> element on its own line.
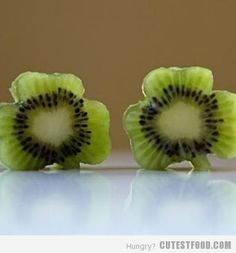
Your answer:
<point x="170" y="88"/>
<point x="205" y="97"/>
<point x="197" y="146"/>
<point x="35" y="101"/>
<point x="152" y="112"/>
<point x="147" y="128"/>
<point x="214" y="101"/>
<point x="21" y="116"/>
<point x="206" y="100"/>
<point x="84" y="125"/>
<point x="207" y="150"/>
<point x="154" y="99"/>
<point x="208" y="144"/>
<point x="29" y="101"/>
<point x="71" y="94"/>
<point x="193" y="93"/>
<point x="76" y="104"/>
<point x="214" y="107"/>
<point x="160" y="146"/>
<point x="177" y="90"/>
<point x="193" y="154"/>
<point x="166" y="146"/>
<point x="48" y="98"/>
<point x="188" y="92"/>
<point x="149" y="117"/>
<point x="142" y="122"/>
<point x="210" y="126"/>
<point x="212" y="95"/>
<point x="209" y="115"/>
<point x="62" y="159"/>
<point x="20" y="120"/>
<point x="169" y="152"/>
<point x="21" y="109"/>
<point x="214" y="139"/>
<point x="197" y="98"/>
<point x="158" y="138"/>
<point x="201" y="102"/>
<point x="182" y="90"/>
<point x="54" y="96"/>
<point x="79" y="144"/>
<point x="166" y="94"/>
<point x="142" y="116"/>
<point x="164" y="101"/>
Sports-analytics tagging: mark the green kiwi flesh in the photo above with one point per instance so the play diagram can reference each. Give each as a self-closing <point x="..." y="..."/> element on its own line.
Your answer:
<point x="181" y="120"/>
<point x="54" y="125"/>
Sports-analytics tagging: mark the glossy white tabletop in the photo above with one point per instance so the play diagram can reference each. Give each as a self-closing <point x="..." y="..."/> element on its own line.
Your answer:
<point x="118" y="201"/>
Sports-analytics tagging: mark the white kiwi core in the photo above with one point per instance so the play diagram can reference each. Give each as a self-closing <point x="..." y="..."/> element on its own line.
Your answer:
<point x="180" y="121"/>
<point x="52" y="127"/>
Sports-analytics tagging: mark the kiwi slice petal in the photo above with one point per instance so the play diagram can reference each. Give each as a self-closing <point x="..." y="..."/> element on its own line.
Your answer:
<point x="163" y="80"/>
<point x="32" y="84"/>
<point x="97" y="145"/>
<point x="197" y="78"/>
<point x="142" y="147"/>
<point x="52" y="124"/>
<point x="200" y="162"/>
<point x="225" y="147"/>
<point x="10" y="151"/>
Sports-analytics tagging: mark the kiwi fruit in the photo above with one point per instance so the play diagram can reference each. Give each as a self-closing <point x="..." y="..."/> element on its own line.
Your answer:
<point x="51" y="123"/>
<point x="181" y="118"/>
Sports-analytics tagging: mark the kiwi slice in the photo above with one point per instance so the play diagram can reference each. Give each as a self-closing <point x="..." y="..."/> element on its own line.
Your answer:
<point x="181" y="118"/>
<point x="51" y="123"/>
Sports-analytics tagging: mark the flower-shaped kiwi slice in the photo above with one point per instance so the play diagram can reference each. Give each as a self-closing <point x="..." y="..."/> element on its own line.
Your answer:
<point x="181" y="118"/>
<point x="51" y="123"/>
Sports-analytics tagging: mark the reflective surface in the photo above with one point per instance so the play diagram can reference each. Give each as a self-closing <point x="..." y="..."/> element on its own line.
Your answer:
<point x="117" y="202"/>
